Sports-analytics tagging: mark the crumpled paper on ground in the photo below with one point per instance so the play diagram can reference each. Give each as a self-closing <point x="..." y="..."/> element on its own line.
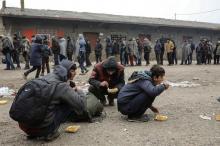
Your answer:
<point x="183" y="84"/>
<point x="6" y="91"/>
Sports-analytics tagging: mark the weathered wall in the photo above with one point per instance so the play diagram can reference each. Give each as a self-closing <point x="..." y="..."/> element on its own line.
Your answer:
<point x="73" y="28"/>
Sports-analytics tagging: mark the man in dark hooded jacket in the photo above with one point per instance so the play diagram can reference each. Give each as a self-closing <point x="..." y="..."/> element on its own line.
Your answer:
<point x="107" y="78"/>
<point x="35" y="57"/>
<point x="139" y="93"/>
<point x="65" y="103"/>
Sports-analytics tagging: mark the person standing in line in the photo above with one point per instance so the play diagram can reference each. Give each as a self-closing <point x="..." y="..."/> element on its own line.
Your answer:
<point x="169" y="46"/>
<point x="217" y="53"/>
<point x="70" y="48"/>
<point x="63" y="44"/>
<point x="7" y="49"/>
<point x="108" y="48"/>
<point x="98" y="51"/>
<point x="56" y="50"/>
<point x="16" y="51"/>
<point x="82" y="53"/>
<point x="26" y="46"/>
<point x="88" y="52"/>
<point x="147" y="50"/>
<point x="157" y="50"/>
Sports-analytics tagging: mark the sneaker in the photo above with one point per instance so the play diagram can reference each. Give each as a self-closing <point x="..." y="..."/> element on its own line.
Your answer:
<point x="218" y="99"/>
<point x="24" y="76"/>
<point x="143" y="118"/>
<point x="27" y="67"/>
<point x="86" y="71"/>
<point x="52" y="136"/>
<point x="18" y="68"/>
<point x="31" y="137"/>
<point x="103" y="102"/>
<point x="111" y="101"/>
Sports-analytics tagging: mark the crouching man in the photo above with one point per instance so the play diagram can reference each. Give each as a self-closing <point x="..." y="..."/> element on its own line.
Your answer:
<point x="42" y="104"/>
<point x="139" y="93"/>
<point x="107" y="78"/>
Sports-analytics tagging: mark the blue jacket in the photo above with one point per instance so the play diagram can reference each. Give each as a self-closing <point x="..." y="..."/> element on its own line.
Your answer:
<point x="139" y="85"/>
<point x="36" y="54"/>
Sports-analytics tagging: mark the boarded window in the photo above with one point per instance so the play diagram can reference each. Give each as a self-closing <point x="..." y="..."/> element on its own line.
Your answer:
<point x="118" y="37"/>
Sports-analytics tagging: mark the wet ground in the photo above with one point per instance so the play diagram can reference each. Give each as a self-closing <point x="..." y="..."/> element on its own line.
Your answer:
<point x="183" y="106"/>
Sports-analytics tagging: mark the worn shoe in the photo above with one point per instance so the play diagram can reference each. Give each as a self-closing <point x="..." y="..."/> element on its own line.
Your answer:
<point x="111" y="102"/>
<point x="143" y="118"/>
<point x="18" y="68"/>
<point x="103" y="102"/>
<point x="24" y="76"/>
<point x="52" y="136"/>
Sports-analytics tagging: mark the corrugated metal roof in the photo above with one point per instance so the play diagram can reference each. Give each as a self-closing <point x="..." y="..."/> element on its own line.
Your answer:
<point x="107" y="18"/>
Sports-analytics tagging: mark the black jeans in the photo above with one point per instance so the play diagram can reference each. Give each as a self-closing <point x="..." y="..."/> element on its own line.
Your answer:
<point x="137" y="106"/>
<point x="157" y="54"/>
<point x="38" y="68"/>
<point x="88" y="62"/>
<point x="216" y="59"/>
<point x="70" y="56"/>
<point x="147" y="57"/>
<point x="161" y="57"/>
<point x="16" y="57"/>
<point x="45" y="62"/>
<point x="26" y="59"/>
<point x="98" y="58"/>
<point x="56" y="59"/>
<point x="170" y="58"/>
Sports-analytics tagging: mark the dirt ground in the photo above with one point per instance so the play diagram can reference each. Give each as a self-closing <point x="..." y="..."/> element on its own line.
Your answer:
<point x="183" y="106"/>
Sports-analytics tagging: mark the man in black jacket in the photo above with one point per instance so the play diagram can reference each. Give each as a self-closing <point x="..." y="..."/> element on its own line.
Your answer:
<point x="139" y="93"/>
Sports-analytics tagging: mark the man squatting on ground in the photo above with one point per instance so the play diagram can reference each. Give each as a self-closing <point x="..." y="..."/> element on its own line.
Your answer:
<point x="60" y="101"/>
<point x="107" y="74"/>
<point x="140" y="92"/>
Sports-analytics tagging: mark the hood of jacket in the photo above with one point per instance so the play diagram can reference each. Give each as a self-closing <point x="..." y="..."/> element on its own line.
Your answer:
<point x="140" y="75"/>
<point x="62" y="70"/>
<point x="110" y="63"/>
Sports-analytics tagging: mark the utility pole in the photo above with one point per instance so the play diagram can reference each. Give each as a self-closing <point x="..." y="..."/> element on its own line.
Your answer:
<point x="175" y="16"/>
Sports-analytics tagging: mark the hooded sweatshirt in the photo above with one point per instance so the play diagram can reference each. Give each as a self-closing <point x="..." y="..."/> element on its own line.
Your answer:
<point x="139" y="82"/>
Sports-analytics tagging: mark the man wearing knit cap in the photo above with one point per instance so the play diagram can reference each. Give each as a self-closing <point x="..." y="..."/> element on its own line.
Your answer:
<point x="107" y="78"/>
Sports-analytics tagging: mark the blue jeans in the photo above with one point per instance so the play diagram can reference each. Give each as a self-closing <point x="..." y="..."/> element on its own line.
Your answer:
<point x="82" y="59"/>
<point x="56" y="59"/>
<point x="137" y="106"/>
<point x="9" y="63"/>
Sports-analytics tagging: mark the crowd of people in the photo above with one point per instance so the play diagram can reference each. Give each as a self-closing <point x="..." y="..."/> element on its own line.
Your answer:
<point x="37" y="51"/>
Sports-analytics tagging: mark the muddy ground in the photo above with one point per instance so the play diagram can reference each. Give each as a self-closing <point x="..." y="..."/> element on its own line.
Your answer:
<point x="183" y="106"/>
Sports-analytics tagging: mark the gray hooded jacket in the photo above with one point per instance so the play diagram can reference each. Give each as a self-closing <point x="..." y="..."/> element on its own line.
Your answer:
<point x="64" y="94"/>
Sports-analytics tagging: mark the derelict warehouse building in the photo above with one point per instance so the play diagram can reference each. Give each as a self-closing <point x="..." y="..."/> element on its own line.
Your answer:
<point x="66" y="23"/>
